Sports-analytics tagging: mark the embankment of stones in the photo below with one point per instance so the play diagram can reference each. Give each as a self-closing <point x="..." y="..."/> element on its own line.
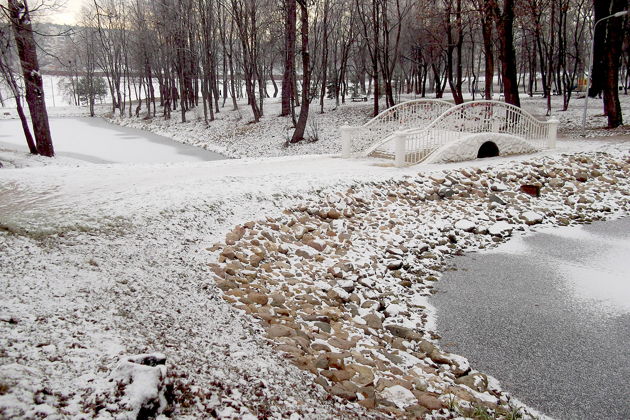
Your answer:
<point x="341" y="283"/>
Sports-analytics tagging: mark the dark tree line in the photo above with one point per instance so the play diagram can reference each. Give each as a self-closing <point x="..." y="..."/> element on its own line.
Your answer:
<point x="166" y="56"/>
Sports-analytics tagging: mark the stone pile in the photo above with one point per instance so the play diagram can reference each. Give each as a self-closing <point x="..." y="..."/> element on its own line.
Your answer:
<point x="341" y="284"/>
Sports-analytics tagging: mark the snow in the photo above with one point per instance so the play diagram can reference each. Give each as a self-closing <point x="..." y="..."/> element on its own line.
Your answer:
<point x="100" y="262"/>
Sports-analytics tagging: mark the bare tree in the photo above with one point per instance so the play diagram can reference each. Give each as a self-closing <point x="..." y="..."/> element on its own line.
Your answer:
<point x="20" y="20"/>
<point x="7" y="73"/>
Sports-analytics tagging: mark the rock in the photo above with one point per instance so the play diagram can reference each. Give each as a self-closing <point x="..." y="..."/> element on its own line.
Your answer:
<point x="416" y="411"/>
<point x="323" y="326"/>
<point x="426" y="347"/>
<point x="340" y="343"/>
<point x="531" y="218"/>
<point x="316" y="244"/>
<point x="277" y="299"/>
<point x="420" y="384"/>
<point x="259" y="298"/>
<point x="394" y="265"/>
<point x="337" y="375"/>
<point x="428" y="400"/>
<point x="395" y="251"/>
<point x="368" y="403"/>
<point x="331" y="360"/>
<point x="373" y="321"/>
<point x="498" y="186"/>
<point x="277" y="330"/>
<point x="143" y="379"/>
<point x="287" y="348"/>
<point x="581" y="176"/>
<point x="334" y="214"/>
<point x="347" y="285"/>
<point x="496" y="199"/>
<point x="476" y="381"/>
<point x="229" y="253"/>
<point x="320" y="347"/>
<point x="465" y="225"/>
<point x="394" y="358"/>
<point x="339" y="294"/>
<point x="234" y="236"/>
<point x="403" y="332"/>
<point x="320" y="380"/>
<point x="346" y="390"/>
<point x="227" y="285"/>
<point x="439" y="357"/>
<point x="364" y="376"/>
<point x="533" y="190"/>
<point x="399" y="395"/>
<point x="393" y="309"/>
<point x="501" y="228"/>
<point x="446" y="193"/>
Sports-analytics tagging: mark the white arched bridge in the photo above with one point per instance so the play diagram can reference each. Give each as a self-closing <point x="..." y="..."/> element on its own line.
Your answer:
<point x="433" y="130"/>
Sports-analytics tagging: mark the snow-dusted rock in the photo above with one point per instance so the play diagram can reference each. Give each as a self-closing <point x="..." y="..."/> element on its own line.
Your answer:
<point x="532" y="218"/>
<point x="501" y="228"/>
<point x="144" y="380"/>
<point x="498" y="186"/>
<point x="399" y="395"/>
<point x="394" y="309"/>
<point x="465" y="225"/>
<point x="347" y="285"/>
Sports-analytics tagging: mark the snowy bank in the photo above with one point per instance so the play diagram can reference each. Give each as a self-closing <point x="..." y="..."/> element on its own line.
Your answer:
<point x="341" y="284"/>
<point x="104" y="262"/>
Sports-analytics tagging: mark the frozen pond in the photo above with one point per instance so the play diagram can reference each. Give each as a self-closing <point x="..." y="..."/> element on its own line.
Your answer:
<point x="95" y="140"/>
<point x="548" y="315"/>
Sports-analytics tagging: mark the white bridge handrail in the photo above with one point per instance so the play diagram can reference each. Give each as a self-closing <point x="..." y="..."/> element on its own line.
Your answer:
<point x="461" y="120"/>
<point x="407" y="104"/>
<point x="405" y="115"/>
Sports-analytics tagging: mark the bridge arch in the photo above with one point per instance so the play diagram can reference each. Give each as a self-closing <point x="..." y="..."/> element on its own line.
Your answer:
<point x="488" y="149"/>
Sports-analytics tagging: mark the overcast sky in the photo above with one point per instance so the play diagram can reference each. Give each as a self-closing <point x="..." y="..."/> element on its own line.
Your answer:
<point x="67" y="13"/>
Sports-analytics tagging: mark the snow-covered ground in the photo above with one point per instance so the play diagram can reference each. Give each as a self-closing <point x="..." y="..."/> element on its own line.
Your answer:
<point x="232" y="133"/>
<point x="102" y="263"/>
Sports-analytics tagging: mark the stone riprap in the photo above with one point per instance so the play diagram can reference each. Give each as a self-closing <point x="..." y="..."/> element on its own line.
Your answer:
<point x="341" y="284"/>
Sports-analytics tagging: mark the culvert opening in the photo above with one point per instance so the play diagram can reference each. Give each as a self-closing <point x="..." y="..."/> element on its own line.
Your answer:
<point x="488" y="149"/>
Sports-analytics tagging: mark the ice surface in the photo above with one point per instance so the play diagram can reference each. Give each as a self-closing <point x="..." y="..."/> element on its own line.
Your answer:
<point x="94" y="140"/>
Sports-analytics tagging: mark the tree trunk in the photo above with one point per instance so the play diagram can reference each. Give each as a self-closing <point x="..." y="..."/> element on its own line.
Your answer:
<point x="298" y="134"/>
<point x="27" y="131"/>
<point x="608" y="39"/>
<point x="289" y="57"/>
<point x="21" y="22"/>
<point x="505" y="28"/>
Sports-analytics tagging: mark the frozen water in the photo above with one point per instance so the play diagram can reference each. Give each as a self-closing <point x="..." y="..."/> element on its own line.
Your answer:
<point x="94" y="140"/>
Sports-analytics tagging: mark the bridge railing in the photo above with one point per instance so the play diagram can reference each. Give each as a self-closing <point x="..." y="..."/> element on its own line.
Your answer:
<point x="414" y="145"/>
<point x="406" y="115"/>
